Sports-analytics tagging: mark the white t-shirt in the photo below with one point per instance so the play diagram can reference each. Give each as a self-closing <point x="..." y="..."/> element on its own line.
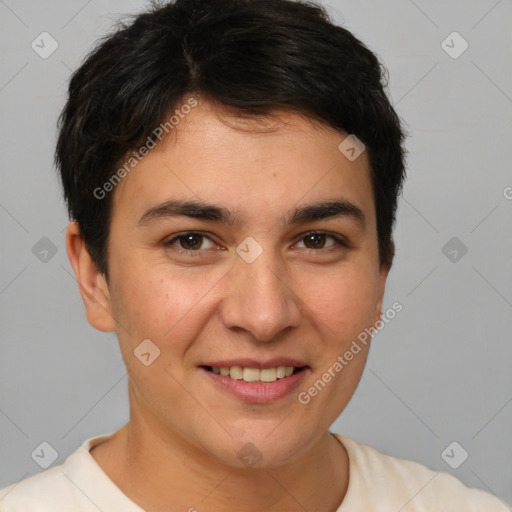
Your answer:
<point x="377" y="483"/>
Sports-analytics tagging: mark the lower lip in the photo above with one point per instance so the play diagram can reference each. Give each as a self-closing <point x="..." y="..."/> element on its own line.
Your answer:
<point x="258" y="392"/>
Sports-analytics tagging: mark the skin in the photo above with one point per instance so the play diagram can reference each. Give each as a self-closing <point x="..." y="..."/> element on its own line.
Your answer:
<point x="179" y="449"/>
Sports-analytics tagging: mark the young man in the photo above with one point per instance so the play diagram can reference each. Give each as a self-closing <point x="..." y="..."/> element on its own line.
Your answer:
<point x="232" y="170"/>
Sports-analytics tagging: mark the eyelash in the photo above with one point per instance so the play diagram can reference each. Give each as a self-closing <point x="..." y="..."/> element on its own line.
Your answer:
<point x="340" y="242"/>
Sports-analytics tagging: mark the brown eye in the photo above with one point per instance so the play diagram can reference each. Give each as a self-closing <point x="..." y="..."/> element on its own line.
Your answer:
<point x="190" y="242"/>
<point x="318" y="241"/>
<point x="314" y="241"/>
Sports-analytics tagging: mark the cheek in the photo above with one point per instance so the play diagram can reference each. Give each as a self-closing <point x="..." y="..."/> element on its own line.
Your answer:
<point x="158" y="304"/>
<point x="343" y="301"/>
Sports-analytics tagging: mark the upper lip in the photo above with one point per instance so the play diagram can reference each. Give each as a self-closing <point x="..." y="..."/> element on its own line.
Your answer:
<point x="253" y="363"/>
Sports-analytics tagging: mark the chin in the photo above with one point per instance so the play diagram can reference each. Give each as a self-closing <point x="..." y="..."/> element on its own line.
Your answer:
<point x="265" y="448"/>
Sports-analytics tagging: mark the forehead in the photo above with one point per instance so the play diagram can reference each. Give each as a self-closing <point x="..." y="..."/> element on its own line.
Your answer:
<point x="251" y="165"/>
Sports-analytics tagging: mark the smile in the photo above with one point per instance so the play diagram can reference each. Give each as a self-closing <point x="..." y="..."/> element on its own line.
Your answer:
<point x="256" y="385"/>
<point x="248" y="374"/>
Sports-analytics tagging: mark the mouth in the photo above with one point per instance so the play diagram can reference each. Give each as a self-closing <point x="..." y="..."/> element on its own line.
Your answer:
<point x="250" y="384"/>
<point x="249" y="374"/>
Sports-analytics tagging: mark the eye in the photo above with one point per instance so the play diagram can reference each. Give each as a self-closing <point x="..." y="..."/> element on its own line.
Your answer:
<point x="191" y="241"/>
<point x="317" y="241"/>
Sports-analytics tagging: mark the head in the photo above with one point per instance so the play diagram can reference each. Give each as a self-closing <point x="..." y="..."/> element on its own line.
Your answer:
<point x="224" y="119"/>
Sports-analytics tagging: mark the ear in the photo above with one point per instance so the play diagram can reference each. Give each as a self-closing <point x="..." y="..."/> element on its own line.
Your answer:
<point x="385" y="266"/>
<point x="383" y="275"/>
<point x="92" y="284"/>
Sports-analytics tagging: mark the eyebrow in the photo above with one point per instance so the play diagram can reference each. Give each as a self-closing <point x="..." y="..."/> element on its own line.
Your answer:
<point x="339" y="207"/>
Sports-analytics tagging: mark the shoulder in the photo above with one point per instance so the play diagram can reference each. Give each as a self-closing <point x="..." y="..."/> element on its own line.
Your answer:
<point x="38" y="493"/>
<point x="392" y="483"/>
<point x="77" y="484"/>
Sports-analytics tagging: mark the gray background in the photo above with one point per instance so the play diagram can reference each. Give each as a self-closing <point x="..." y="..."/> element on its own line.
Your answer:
<point x="438" y="373"/>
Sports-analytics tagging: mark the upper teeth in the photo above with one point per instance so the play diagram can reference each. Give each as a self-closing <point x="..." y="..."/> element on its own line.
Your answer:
<point x="255" y="374"/>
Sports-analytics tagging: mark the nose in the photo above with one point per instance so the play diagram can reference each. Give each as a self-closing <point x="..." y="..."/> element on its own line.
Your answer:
<point x="259" y="300"/>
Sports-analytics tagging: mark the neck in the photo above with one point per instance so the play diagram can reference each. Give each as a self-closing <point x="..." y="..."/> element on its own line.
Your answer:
<point x="156" y="468"/>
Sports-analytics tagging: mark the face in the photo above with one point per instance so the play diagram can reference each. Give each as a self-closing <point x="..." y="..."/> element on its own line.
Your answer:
<point x="256" y="280"/>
